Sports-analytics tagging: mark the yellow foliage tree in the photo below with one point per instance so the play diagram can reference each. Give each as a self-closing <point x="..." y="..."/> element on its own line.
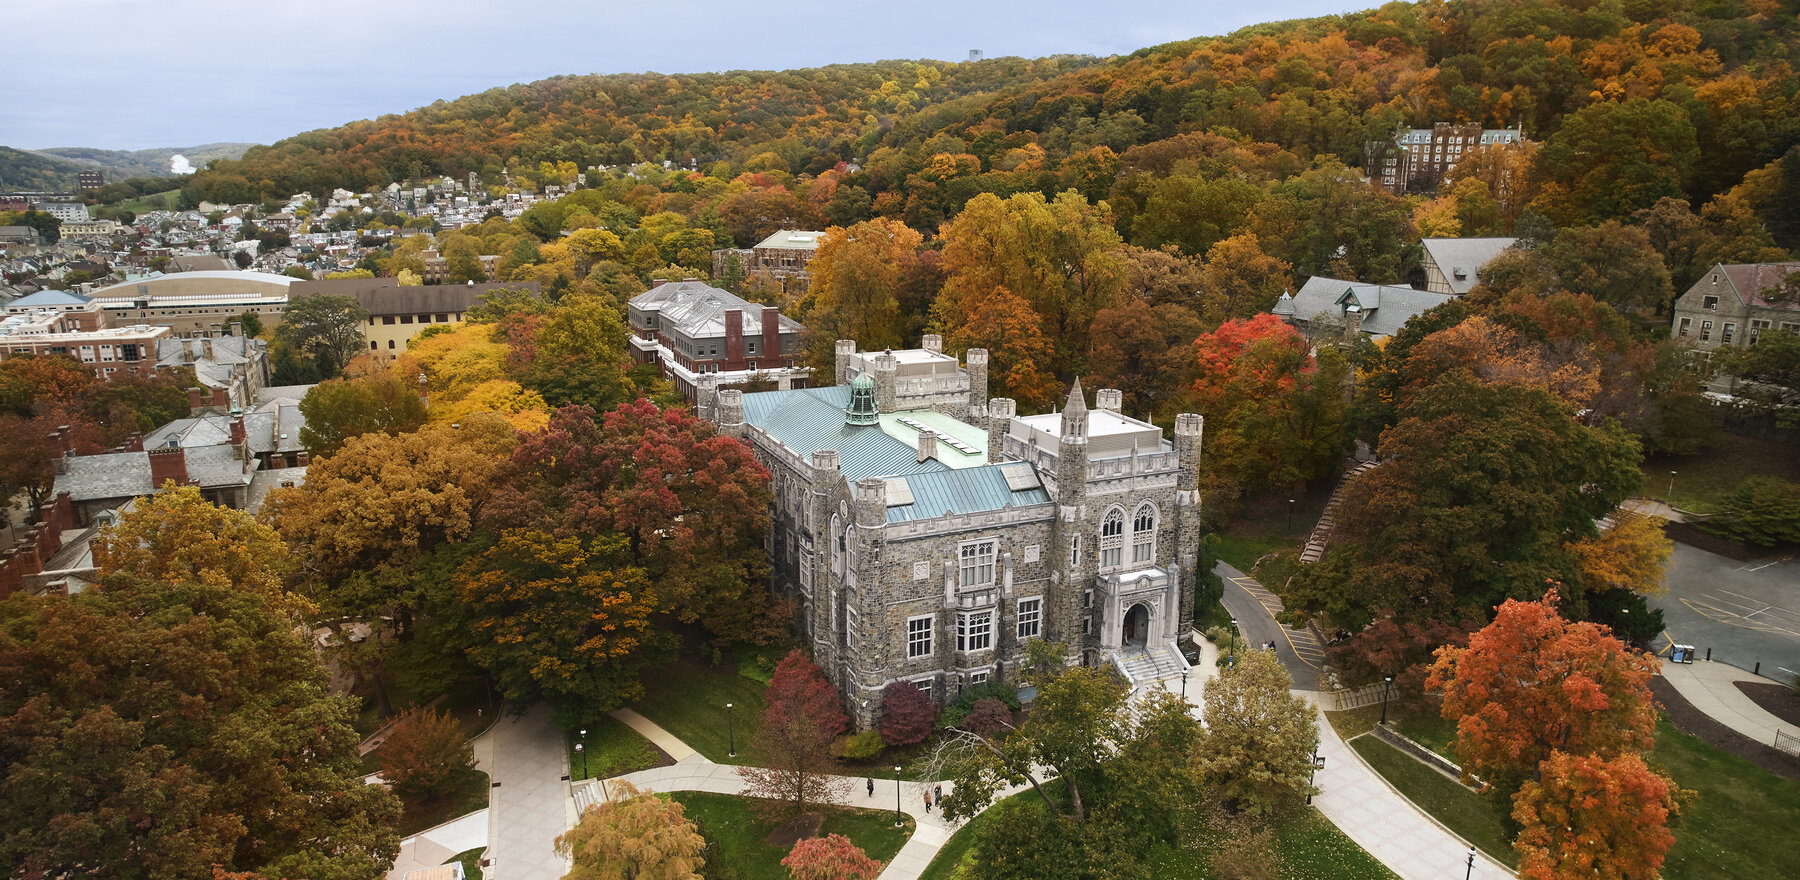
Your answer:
<point x="177" y="535"/>
<point x="1631" y="554"/>
<point x="635" y="836"/>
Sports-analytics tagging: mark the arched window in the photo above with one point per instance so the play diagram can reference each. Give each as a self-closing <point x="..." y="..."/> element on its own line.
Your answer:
<point x="1112" y="539"/>
<point x="1143" y="535"/>
<point x="837" y="546"/>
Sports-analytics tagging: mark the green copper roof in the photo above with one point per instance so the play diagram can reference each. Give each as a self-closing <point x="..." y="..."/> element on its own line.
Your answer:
<point x="862" y="411"/>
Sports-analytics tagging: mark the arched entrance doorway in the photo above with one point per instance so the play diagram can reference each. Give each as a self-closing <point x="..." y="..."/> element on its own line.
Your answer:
<point x="1137" y="626"/>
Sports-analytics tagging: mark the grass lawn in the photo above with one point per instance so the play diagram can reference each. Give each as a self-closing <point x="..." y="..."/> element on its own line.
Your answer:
<point x="688" y="700"/>
<point x="1425" y="728"/>
<point x="471" y="862"/>
<point x="1310" y="846"/>
<point x="1460" y="809"/>
<point x="612" y="749"/>
<point x="470" y="795"/>
<point x="1703" y="481"/>
<point x="735" y="835"/>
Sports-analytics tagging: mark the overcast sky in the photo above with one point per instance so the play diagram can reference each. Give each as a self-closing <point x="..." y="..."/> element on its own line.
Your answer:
<point x="135" y="74"/>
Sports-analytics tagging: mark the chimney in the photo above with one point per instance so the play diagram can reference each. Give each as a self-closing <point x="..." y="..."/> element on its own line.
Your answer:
<point x="238" y="433"/>
<point x="221" y="398"/>
<point x="237" y="328"/>
<point x="195" y="401"/>
<point x="771" y="333"/>
<point x="303" y="459"/>
<point x="734" y="338"/>
<point x="927" y="446"/>
<point x="932" y="343"/>
<point x="168" y="463"/>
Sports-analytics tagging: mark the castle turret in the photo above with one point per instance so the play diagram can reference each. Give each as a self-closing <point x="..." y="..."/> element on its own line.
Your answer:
<point x="1110" y="399"/>
<point x="932" y="343"/>
<point x="1075" y="416"/>
<point x="706" y="398"/>
<point x="731" y="413"/>
<point x="887" y="381"/>
<point x="1072" y="530"/>
<point x="976" y="360"/>
<point x="1190" y="429"/>
<point x="846" y="350"/>
<point x="1000" y="415"/>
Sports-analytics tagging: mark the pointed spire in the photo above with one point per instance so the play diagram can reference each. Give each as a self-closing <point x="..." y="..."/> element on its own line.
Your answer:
<point x="1075" y="415"/>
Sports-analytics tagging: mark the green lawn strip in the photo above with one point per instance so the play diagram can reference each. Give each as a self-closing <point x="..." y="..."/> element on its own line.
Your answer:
<point x="1733" y="828"/>
<point x="951" y="854"/>
<point x="471" y="862"/>
<point x="1459" y="809"/>
<point x="1242" y="551"/>
<point x="1703" y="481"/>
<point x="735" y="836"/>
<point x="611" y="749"/>
<point x="1425" y="728"/>
<point x="471" y="794"/>
<point x="688" y="700"/>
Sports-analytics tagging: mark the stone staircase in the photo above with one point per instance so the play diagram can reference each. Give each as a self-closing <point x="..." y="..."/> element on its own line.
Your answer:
<point x="1321" y="533"/>
<point x="1147" y="665"/>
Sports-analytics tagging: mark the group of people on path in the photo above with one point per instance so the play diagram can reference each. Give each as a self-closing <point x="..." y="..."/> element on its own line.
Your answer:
<point x="935" y="795"/>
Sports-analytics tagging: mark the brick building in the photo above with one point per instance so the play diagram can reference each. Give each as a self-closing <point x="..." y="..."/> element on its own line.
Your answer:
<point x="696" y="330"/>
<point x="1417" y="158"/>
<point x="929" y="532"/>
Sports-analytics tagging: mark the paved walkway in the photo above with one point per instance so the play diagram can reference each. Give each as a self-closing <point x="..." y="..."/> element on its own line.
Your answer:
<point x="434" y="847"/>
<point x="529" y="804"/>
<point x="1709" y="687"/>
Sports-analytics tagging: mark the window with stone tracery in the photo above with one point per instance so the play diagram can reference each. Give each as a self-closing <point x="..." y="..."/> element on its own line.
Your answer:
<point x="1143" y="535"/>
<point x="1112" y="539"/>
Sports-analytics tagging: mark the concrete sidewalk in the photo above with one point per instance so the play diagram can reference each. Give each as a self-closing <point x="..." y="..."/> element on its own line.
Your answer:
<point x="529" y="805"/>
<point x="435" y="846"/>
<point x="1709" y="686"/>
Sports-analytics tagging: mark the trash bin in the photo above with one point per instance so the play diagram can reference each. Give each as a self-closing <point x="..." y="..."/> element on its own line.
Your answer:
<point x="1682" y="654"/>
<point x="1675" y="654"/>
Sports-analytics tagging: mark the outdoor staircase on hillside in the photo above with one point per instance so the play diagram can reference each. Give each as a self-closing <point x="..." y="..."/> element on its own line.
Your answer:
<point x="1149" y="664"/>
<point x="1321" y="533"/>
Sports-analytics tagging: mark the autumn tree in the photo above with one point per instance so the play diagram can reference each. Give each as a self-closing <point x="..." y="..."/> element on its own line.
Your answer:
<point x="338" y="409"/>
<point x="1256" y="755"/>
<point x="804" y="715"/>
<point x="1531" y="683"/>
<point x="1146" y="352"/>
<point x="634" y="836"/>
<point x="1631" y="553"/>
<point x="1240" y="281"/>
<point x="1328" y="221"/>
<point x="384" y="501"/>
<point x="326" y="328"/>
<point x="832" y="857"/>
<point x="691" y="504"/>
<point x="906" y="714"/>
<point x="857" y="284"/>
<point x="426" y="756"/>
<point x="1650" y="151"/>
<point x="1020" y="356"/>
<point x="154" y="729"/>
<point x="177" y="535"/>
<point x="1590" y="816"/>
<point x="28" y="465"/>
<point x="575" y="353"/>
<point x="562" y="620"/>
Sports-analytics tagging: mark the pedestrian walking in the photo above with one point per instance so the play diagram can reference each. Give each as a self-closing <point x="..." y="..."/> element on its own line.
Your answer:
<point x="938" y="791"/>
<point x="871" y="786"/>
<point x="928" y="802"/>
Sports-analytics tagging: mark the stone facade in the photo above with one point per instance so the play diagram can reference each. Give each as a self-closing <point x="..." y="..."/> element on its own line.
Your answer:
<point x="929" y="541"/>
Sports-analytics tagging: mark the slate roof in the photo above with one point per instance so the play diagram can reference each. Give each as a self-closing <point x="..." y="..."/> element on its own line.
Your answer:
<point x="384" y="296"/>
<point x="697" y="309"/>
<point x="811" y="419"/>
<point x="1749" y="280"/>
<point x="205" y="430"/>
<point x="49" y="299"/>
<point x="111" y="475"/>
<point x="1468" y="254"/>
<point x="1385" y="308"/>
<point x="262" y="482"/>
<point x="213" y="466"/>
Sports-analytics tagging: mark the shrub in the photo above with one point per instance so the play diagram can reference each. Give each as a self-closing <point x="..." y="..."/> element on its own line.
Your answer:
<point x="906" y="714"/>
<point x="954" y="713"/>
<point x="832" y="857"/>
<point x="1763" y="511"/>
<point x="864" y="746"/>
<point x="989" y="718"/>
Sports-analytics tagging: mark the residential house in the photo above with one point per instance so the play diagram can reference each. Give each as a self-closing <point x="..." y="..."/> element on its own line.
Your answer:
<point x="696" y="330"/>
<point x="1735" y="303"/>
<point x="1374" y="310"/>
<point x="1453" y="265"/>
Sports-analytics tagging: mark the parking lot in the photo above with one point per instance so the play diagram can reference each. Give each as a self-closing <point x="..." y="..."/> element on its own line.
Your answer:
<point x="1747" y="613"/>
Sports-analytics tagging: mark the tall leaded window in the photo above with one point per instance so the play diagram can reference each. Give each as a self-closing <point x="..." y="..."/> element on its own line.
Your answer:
<point x="918" y="637"/>
<point x="977" y="564"/>
<point x="1112" y="539"/>
<point x="1143" y="534"/>
<point x="850" y="628"/>
<point x="1031" y="615"/>
<point x="1075" y="550"/>
<point x="975" y="631"/>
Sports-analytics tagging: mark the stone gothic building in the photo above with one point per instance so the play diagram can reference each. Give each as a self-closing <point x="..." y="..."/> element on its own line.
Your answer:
<point x="930" y="532"/>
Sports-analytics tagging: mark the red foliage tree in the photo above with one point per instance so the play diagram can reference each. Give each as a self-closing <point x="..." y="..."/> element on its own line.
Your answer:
<point x="990" y="718"/>
<point x="832" y="857"/>
<point x="1589" y="816"/>
<point x="1532" y="683"/>
<point x="906" y="714"/>
<point x="693" y="505"/>
<point x="805" y="714"/>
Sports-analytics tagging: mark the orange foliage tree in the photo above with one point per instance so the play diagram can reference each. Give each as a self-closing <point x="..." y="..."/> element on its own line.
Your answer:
<point x="1587" y="816"/>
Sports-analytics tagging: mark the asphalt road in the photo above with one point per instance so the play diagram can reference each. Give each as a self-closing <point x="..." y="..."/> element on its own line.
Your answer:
<point x="1255" y="608"/>
<point x="1747" y="613"/>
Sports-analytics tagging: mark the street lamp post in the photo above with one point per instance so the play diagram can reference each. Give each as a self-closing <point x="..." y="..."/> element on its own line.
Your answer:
<point x="1290" y="518"/>
<point x="1318" y="764"/>
<point x="1471" y="871"/>
<point x="730" y="730"/>
<point x="583" y="754"/>
<point x="1670" y="497"/>
<point x="1388" y="683"/>
<point x="897" y="820"/>
<point x="1231" y="654"/>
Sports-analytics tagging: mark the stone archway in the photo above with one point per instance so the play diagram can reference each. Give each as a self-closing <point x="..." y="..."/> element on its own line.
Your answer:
<point x="1136" y="632"/>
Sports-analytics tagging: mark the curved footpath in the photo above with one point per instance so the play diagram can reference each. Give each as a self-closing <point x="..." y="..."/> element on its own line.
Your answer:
<point x="1711" y="688"/>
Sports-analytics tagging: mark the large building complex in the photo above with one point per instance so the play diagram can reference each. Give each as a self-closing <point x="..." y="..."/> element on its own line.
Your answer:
<point x="197" y="304"/>
<point x="1417" y="158"/>
<point x="930" y="533"/>
<point x="396" y="313"/>
<point x="695" y="330"/>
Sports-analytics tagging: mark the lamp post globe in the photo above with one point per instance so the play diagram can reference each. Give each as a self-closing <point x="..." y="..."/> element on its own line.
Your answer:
<point x="897" y="820"/>
<point x="1471" y="870"/>
<point x="1387" y="683"/>
<point x="730" y="731"/>
<point x="583" y="754"/>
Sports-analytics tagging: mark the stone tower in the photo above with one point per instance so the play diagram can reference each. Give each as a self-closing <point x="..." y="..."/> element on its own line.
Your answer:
<point x="1000" y="415"/>
<point x="887" y="381"/>
<point x="846" y="350"/>
<point x="1072" y="530"/>
<point x="1190" y="429"/>
<point x="975" y="361"/>
<point x="731" y="413"/>
<point x="818" y="579"/>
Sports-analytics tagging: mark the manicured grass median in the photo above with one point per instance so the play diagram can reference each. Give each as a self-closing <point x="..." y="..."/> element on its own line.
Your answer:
<point x="471" y="862"/>
<point x="1461" y="810"/>
<point x="736" y="835"/>
<point x="470" y="794"/>
<point x="688" y="700"/>
<point x="1740" y="825"/>
<point x="611" y="749"/>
